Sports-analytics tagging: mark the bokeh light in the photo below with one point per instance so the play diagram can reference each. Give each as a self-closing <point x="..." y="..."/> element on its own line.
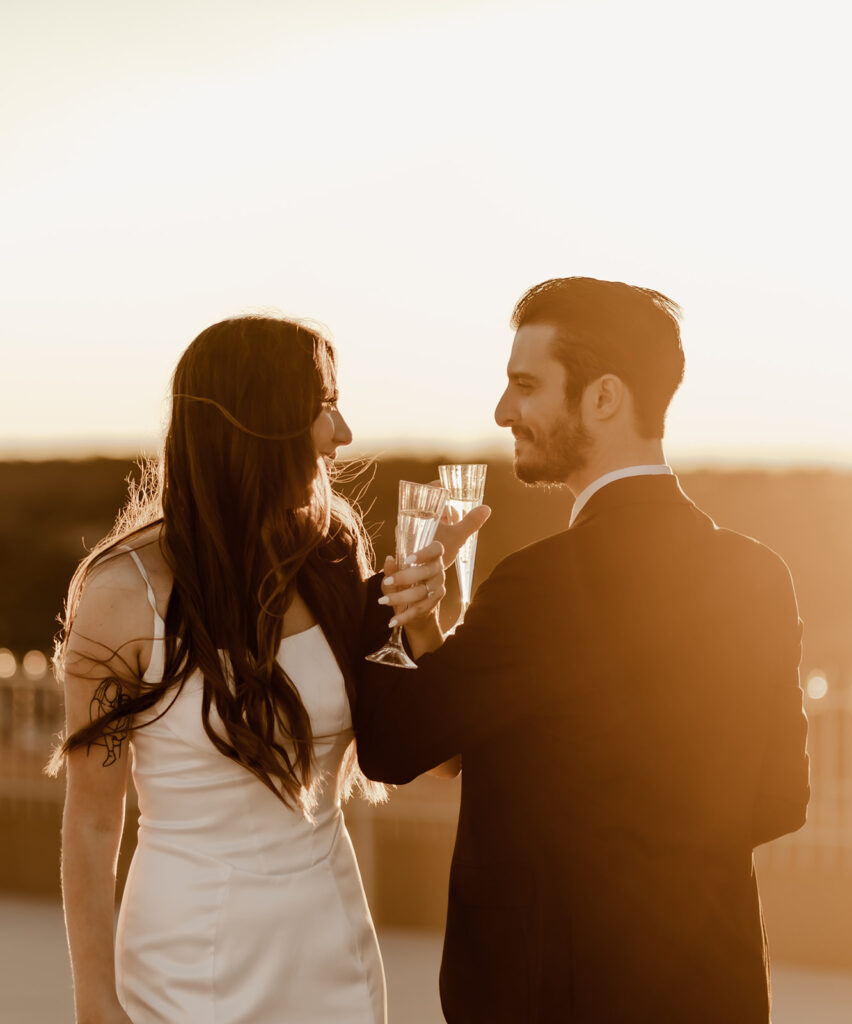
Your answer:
<point x="34" y="664"/>
<point x="817" y="685"/>
<point x="8" y="665"/>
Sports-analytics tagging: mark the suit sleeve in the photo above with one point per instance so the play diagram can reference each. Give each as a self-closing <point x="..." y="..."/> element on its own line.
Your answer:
<point x="374" y="625"/>
<point x="407" y="722"/>
<point x="783" y="783"/>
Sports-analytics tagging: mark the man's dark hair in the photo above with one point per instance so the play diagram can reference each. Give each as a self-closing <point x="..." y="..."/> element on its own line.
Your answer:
<point x="611" y="327"/>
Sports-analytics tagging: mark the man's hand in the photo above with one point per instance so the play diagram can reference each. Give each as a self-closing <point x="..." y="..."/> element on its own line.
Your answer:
<point x="415" y="589"/>
<point x="453" y="535"/>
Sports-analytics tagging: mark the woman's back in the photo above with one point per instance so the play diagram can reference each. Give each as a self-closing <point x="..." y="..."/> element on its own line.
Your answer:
<point x="238" y="907"/>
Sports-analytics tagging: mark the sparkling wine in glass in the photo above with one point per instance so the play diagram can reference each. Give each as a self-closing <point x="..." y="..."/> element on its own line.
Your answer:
<point x="419" y="512"/>
<point x="466" y="484"/>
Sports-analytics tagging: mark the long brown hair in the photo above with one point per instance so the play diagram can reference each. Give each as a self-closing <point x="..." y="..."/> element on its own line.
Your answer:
<point x="248" y="515"/>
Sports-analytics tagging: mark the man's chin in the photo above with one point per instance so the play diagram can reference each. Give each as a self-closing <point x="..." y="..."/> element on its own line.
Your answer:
<point x="541" y="473"/>
<point x="533" y="473"/>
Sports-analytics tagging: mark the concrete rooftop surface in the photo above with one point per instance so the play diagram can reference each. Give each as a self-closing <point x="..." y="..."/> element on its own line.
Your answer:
<point x="35" y="981"/>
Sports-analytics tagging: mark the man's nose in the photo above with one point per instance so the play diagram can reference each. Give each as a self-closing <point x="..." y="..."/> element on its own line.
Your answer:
<point x="504" y="414"/>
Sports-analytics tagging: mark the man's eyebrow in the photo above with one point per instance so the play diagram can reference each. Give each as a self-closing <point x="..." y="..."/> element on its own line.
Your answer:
<point x="515" y="375"/>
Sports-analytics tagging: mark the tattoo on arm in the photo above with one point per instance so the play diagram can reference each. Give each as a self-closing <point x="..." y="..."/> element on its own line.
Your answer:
<point x="110" y="696"/>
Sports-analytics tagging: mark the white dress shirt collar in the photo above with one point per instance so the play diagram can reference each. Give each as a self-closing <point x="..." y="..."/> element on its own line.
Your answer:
<point x="607" y="478"/>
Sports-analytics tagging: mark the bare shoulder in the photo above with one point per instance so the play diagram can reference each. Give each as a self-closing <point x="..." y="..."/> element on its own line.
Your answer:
<point x="147" y="547"/>
<point x="112" y="623"/>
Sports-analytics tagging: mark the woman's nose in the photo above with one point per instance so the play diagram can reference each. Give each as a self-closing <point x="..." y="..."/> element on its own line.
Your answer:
<point x="342" y="433"/>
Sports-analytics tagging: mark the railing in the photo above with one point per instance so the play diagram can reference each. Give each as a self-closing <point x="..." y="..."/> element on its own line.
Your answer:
<point x="825" y="841"/>
<point x="31" y="719"/>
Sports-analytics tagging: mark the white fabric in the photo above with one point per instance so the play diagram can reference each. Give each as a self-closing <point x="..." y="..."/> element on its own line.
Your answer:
<point x="608" y="478"/>
<point x="238" y="910"/>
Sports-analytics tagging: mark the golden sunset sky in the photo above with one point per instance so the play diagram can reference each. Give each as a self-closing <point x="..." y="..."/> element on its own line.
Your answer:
<point x="402" y="172"/>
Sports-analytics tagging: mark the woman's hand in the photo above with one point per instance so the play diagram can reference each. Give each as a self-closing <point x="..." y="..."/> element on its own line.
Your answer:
<point x="415" y="590"/>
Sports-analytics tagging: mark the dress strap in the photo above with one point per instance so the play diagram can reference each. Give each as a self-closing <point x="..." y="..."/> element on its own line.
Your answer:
<point x="159" y="623"/>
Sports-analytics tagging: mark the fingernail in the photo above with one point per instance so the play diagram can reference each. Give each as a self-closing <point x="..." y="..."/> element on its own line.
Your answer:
<point x="411" y="560"/>
<point x="388" y="581"/>
<point x="392" y="623"/>
<point x="384" y="600"/>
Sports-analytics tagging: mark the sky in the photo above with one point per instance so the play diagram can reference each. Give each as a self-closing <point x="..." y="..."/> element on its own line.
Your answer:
<point x="401" y="173"/>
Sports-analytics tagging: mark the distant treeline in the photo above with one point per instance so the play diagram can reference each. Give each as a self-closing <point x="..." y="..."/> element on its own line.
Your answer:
<point x="52" y="512"/>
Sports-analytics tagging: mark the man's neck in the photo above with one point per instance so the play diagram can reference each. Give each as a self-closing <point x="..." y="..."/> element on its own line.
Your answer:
<point x="640" y="453"/>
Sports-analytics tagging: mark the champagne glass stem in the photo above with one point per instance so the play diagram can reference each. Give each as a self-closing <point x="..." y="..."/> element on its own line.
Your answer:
<point x="418" y="512"/>
<point x="396" y="638"/>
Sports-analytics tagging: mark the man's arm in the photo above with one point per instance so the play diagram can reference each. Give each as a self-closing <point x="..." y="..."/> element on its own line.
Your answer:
<point x="407" y="722"/>
<point x="783" y="784"/>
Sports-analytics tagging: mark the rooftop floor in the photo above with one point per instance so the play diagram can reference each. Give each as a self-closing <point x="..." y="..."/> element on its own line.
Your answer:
<point x="35" y="985"/>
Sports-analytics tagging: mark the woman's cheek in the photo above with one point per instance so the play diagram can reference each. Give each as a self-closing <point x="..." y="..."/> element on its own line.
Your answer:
<point x="323" y="430"/>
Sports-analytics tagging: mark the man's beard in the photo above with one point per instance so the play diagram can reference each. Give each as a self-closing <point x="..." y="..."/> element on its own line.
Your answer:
<point x="559" y="455"/>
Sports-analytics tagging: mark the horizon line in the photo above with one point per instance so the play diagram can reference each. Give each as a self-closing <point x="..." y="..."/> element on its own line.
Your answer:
<point x="488" y="449"/>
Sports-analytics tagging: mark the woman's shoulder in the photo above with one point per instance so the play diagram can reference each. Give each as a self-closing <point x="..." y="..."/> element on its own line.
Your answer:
<point x="111" y="616"/>
<point x="146" y="544"/>
<point x="141" y="555"/>
<point x="115" y="595"/>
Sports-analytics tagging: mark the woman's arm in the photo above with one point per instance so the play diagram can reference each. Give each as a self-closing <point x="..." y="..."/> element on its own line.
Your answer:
<point x="418" y="592"/>
<point x="461" y="695"/>
<point x="448" y="770"/>
<point x="91" y="834"/>
<point x="99" y="669"/>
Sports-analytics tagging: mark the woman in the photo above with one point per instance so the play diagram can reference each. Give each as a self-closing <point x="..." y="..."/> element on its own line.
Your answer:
<point x="214" y="633"/>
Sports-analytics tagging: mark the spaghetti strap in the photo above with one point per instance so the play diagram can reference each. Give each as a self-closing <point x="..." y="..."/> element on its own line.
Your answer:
<point x="154" y="672"/>
<point x="159" y="623"/>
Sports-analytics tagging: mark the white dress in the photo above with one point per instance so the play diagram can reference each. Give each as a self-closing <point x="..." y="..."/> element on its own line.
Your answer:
<point x="236" y="908"/>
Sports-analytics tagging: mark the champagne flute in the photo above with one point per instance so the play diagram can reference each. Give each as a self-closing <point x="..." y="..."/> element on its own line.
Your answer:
<point x="466" y="484"/>
<point x="419" y="512"/>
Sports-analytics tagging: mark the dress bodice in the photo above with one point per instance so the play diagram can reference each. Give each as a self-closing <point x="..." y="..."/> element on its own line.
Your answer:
<point x="191" y="794"/>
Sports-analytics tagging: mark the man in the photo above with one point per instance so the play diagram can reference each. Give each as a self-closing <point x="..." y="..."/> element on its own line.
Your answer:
<point x="624" y="696"/>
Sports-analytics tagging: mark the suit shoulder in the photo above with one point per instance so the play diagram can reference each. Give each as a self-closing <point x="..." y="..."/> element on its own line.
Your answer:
<point x="530" y="558"/>
<point x="754" y="554"/>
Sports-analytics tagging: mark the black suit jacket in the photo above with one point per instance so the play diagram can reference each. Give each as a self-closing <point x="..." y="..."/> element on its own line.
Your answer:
<point x="625" y="698"/>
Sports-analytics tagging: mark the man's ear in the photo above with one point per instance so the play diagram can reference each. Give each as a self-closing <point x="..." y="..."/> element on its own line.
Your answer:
<point x="605" y="396"/>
